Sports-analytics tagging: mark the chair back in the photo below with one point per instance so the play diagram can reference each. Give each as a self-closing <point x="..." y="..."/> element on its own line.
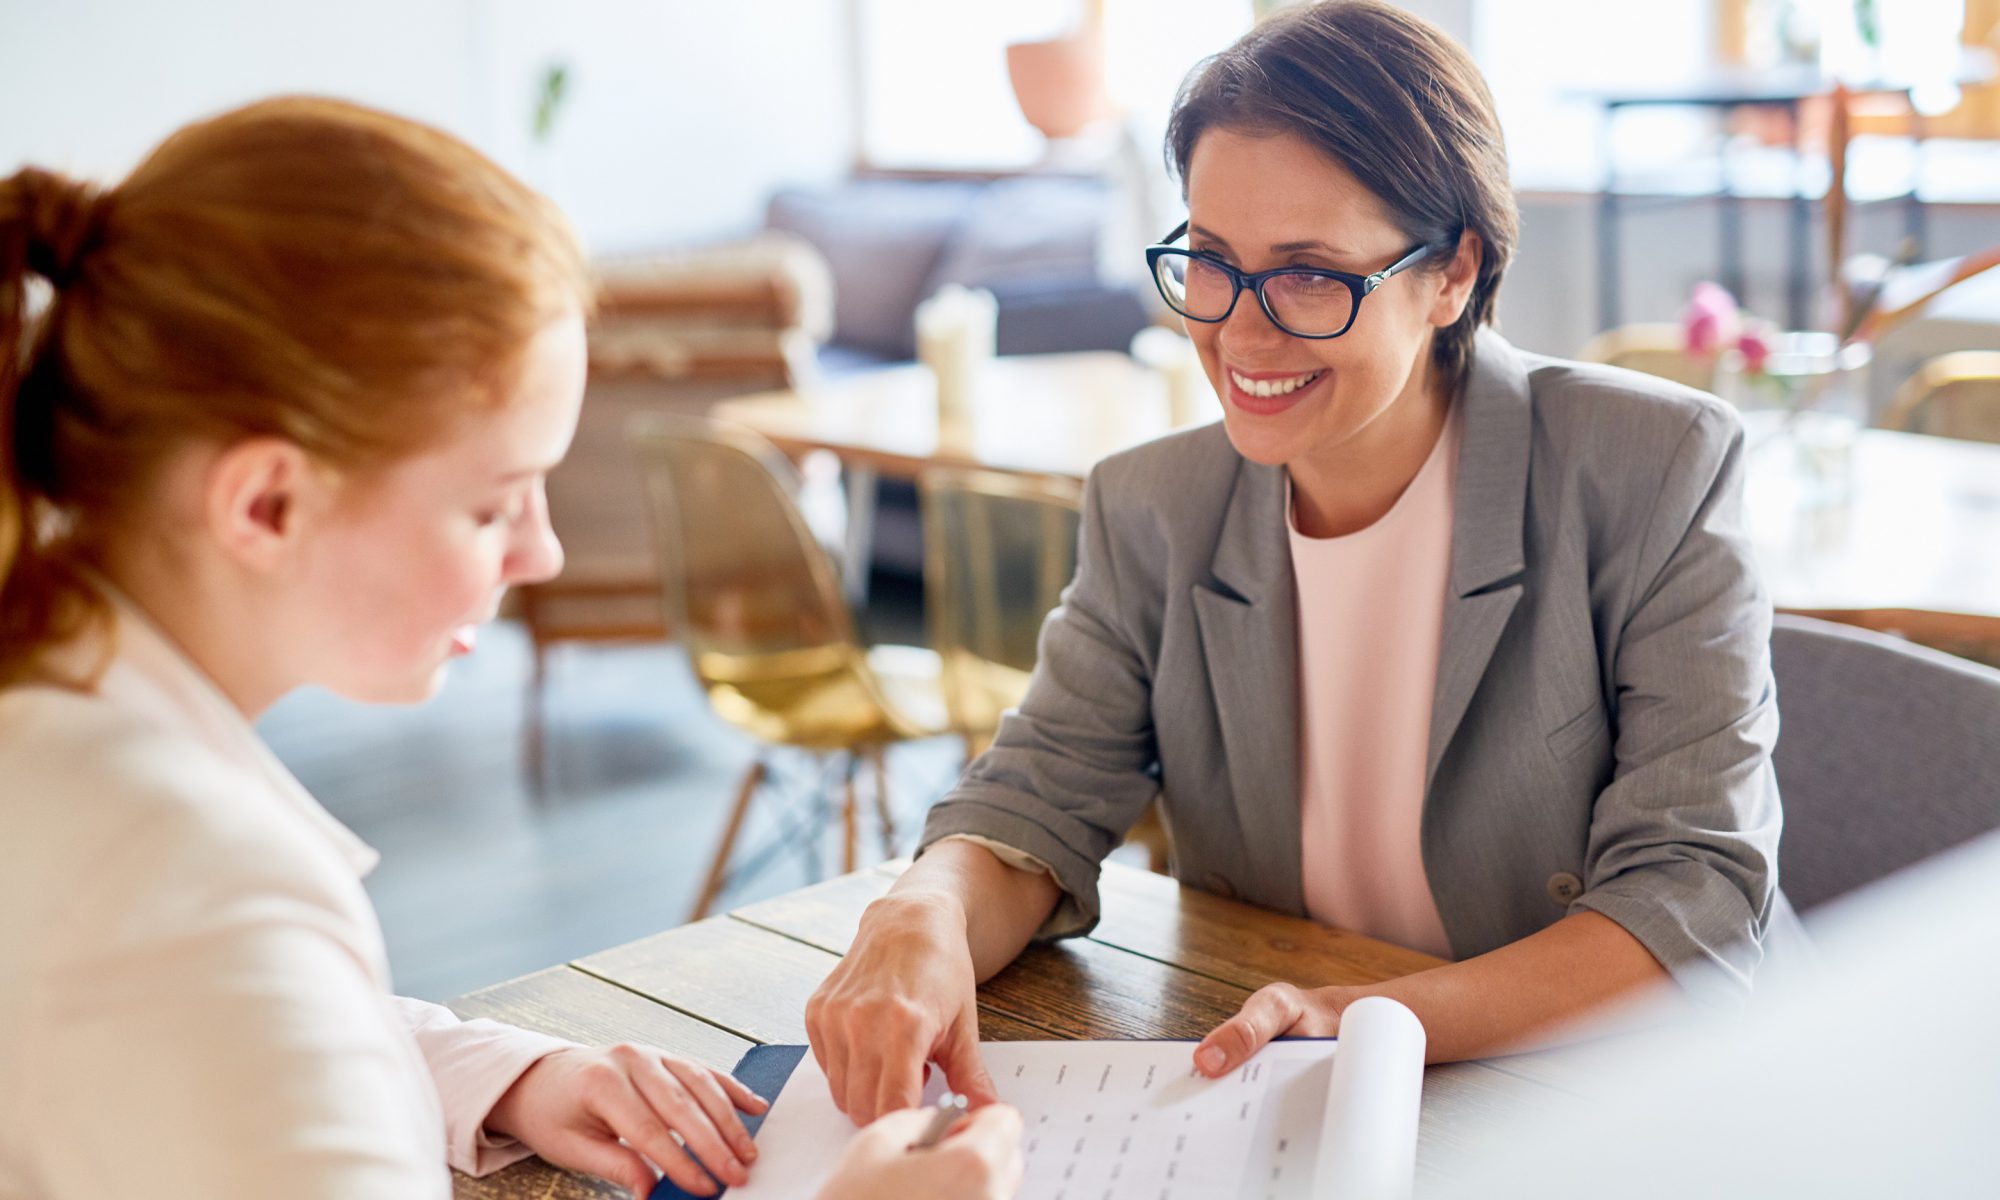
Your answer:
<point x="749" y="591"/>
<point x="1953" y="395"/>
<point x="998" y="551"/>
<point x="1887" y="754"/>
<point x="1656" y="349"/>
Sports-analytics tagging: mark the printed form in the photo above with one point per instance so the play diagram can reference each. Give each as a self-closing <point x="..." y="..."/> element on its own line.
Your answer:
<point x="1116" y="1120"/>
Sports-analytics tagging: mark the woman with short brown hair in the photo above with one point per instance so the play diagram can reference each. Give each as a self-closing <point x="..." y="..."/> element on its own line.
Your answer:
<point x="1432" y="639"/>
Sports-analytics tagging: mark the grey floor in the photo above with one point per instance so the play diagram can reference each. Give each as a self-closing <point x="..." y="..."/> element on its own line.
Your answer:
<point x="479" y="880"/>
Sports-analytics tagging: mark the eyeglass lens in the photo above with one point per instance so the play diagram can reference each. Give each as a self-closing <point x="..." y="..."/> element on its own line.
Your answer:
<point x="1305" y="304"/>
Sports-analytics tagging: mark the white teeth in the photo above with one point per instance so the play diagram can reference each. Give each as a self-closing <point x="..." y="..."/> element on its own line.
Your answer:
<point x="1273" y="387"/>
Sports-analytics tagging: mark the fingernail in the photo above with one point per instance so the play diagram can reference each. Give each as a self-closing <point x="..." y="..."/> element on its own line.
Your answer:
<point x="1208" y="1058"/>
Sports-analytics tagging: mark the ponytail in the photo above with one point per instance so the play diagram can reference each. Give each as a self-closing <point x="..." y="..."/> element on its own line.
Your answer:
<point x="48" y="225"/>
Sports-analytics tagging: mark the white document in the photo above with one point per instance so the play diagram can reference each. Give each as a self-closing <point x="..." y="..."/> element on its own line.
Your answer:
<point x="1112" y="1120"/>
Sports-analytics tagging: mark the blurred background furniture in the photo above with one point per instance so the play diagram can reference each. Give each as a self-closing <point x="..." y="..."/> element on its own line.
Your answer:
<point x="1047" y="245"/>
<point x="1902" y="540"/>
<point x="1032" y="414"/>
<point x="755" y="598"/>
<point x="1656" y="348"/>
<point x="1898" y="536"/>
<point x="1728" y="91"/>
<point x="1887" y="755"/>
<point x="998" y="551"/>
<point x="1924" y="311"/>
<point x="674" y="332"/>
<point x="1036" y="241"/>
<point x="1953" y="395"/>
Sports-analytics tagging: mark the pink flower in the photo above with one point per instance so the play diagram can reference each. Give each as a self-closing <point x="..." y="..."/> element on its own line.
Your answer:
<point x="1711" y="319"/>
<point x="1754" y="344"/>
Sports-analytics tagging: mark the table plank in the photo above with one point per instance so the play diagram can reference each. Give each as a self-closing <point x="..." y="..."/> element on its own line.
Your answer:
<point x="569" y="1003"/>
<point x="709" y="989"/>
<point x="566" y="1002"/>
<point x="1079" y="988"/>
<point x="1156" y="916"/>
<point x="747" y="980"/>
<point x="1083" y="989"/>
<point x="533" y="1179"/>
<point x="825" y="915"/>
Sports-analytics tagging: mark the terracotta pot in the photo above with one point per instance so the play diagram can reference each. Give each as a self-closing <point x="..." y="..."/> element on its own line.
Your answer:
<point x="1060" y="82"/>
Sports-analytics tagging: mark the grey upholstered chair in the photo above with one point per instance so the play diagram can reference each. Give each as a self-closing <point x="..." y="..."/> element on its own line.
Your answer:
<point x="1887" y="754"/>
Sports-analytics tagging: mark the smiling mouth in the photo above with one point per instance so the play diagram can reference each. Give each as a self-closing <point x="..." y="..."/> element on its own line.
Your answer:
<point x="1267" y="388"/>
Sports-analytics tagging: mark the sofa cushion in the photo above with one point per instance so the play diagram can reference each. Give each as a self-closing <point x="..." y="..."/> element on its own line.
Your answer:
<point x="1043" y="230"/>
<point x="883" y="239"/>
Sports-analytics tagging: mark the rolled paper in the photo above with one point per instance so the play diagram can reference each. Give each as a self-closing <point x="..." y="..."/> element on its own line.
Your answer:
<point x="1368" y="1141"/>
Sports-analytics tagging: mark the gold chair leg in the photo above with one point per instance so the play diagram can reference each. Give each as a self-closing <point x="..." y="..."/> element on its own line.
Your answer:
<point x="718" y="867"/>
<point x="849" y="816"/>
<point x="878" y="762"/>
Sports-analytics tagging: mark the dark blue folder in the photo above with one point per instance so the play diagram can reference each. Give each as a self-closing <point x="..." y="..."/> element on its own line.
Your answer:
<point x="764" y="1070"/>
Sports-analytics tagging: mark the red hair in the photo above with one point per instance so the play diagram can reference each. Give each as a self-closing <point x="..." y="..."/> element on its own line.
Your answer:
<point x="302" y="268"/>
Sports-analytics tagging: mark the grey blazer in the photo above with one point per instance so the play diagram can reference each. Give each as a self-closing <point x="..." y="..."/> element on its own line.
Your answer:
<point x="1604" y="715"/>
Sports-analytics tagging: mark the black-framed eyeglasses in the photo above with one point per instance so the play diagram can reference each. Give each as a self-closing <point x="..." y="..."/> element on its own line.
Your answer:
<point x="1306" y="302"/>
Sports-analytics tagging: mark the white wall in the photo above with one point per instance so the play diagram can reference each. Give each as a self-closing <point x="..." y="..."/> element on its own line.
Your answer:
<point x="682" y="116"/>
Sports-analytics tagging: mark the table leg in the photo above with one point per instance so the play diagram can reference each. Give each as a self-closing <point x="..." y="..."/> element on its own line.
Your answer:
<point x="1914" y="224"/>
<point x="1607" y="230"/>
<point x="1798" y="292"/>
<point x="859" y="545"/>
<point x="1729" y="221"/>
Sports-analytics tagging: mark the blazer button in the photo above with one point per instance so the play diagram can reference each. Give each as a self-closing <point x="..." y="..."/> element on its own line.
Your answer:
<point x="1218" y="884"/>
<point x="1564" y="887"/>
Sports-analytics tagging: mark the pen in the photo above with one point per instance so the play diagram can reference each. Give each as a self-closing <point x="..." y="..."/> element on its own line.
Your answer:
<point x="950" y="1107"/>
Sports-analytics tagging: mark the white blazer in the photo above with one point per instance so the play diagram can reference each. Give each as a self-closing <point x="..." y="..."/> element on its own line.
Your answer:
<point x="194" y="997"/>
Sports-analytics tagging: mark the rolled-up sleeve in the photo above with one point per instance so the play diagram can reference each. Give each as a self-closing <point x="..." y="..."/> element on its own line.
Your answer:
<point x="1074" y="766"/>
<point x="473" y="1064"/>
<point x="1683" y="845"/>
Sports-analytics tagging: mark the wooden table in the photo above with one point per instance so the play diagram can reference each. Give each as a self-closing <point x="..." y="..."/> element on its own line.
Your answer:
<point x="1910" y="543"/>
<point x="1165" y="962"/>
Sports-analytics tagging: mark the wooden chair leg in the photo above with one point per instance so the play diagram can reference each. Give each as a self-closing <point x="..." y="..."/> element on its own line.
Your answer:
<point x="718" y="867"/>
<point x="878" y="762"/>
<point x="849" y="820"/>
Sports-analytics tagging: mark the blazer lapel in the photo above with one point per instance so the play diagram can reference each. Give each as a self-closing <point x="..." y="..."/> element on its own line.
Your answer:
<point x="1488" y="511"/>
<point x="1249" y="639"/>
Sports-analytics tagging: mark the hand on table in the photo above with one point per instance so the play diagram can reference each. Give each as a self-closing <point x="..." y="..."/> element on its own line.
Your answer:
<point x="903" y="996"/>
<point x="574" y="1107"/>
<point x="980" y="1159"/>
<point x="1278" y="1010"/>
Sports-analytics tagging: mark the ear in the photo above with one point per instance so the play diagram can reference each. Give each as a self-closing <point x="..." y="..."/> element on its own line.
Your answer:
<point x="258" y="497"/>
<point x="1458" y="278"/>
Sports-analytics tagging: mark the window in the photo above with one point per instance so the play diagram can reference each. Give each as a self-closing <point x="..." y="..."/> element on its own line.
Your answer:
<point x="933" y="76"/>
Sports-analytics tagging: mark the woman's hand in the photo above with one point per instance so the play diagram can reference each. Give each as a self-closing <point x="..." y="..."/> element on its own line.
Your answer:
<point x="903" y="996"/>
<point x="575" y="1106"/>
<point x="980" y="1159"/>
<point x="1271" y="1012"/>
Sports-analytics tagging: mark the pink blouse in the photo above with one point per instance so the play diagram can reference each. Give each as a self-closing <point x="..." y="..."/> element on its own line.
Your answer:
<point x="1371" y="613"/>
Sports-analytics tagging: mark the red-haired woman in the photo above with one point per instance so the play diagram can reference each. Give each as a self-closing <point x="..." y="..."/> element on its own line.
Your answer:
<point x="285" y="420"/>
